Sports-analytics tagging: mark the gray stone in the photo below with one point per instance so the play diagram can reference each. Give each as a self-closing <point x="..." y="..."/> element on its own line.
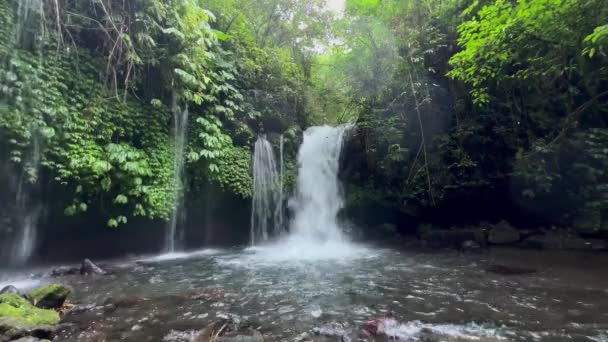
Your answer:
<point x="88" y="267"/>
<point x="64" y="271"/>
<point x="470" y="245"/>
<point x="503" y="234"/>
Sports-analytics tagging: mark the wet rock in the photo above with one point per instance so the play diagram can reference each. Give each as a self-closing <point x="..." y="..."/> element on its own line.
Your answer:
<point x="557" y="239"/>
<point x="451" y="238"/>
<point x="50" y="297"/>
<point x="598" y="245"/>
<point x="88" y="267"/>
<point x="503" y="234"/>
<point x="374" y="326"/>
<point x="64" y="271"/>
<point x="227" y="330"/>
<point x="11" y="289"/>
<point x="509" y="270"/>
<point x="470" y="245"/>
<point x="19" y="318"/>
<point x="387" y="229"/>
<point x="533" y="242"/>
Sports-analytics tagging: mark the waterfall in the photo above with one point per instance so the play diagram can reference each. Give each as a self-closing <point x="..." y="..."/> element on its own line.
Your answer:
<point x="27" y="212"/>
<point x="266" y="205"/>
<point x="180" y="137"/>
<point x="318" y="198"/>
<point x="314" y="231"/>
<point x="28" y="16"/>
<point x="282" y="181"/>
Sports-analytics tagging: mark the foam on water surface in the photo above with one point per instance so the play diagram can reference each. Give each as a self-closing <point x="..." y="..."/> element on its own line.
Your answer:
<point x="181" y="255"/>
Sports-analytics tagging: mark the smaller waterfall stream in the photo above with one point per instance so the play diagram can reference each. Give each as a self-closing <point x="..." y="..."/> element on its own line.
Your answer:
<point x="27" y="209"/>
<point x="267" y="203"/>
<point x="28" y="12"/>
<point x="180" y="134"/>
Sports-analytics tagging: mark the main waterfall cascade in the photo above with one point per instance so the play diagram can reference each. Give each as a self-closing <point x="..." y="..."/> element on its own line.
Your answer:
<point x="318" y="198"/>
<point x="267" y="203"/>
<point x="314" y="231"/>
<point x="180" y="132"/>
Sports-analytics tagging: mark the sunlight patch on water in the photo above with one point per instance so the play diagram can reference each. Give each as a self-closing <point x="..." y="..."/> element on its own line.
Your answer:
<point x="181" y="255"/>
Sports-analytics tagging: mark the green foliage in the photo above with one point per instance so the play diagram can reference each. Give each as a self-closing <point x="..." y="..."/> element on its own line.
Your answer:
<point x="597" y="42"/>
<point x="507" y="45"/>
<point x="235" y="172"/>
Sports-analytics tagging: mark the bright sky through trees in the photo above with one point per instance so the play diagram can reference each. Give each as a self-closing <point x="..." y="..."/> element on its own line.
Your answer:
<point x="336" y="5"/>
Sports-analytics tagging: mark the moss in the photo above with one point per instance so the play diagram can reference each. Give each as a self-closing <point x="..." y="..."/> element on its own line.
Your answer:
<point x="49" y="297"/>
<point x="15" y="307"/>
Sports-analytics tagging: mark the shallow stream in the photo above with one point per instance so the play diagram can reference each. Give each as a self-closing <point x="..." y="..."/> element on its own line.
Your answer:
<point x="428" y="295"/>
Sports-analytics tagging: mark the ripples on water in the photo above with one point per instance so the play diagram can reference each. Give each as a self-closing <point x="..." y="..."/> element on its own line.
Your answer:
<point x="285" y="291"/>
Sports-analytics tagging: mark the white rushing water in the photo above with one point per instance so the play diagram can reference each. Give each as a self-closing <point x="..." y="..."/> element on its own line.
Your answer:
<point x="27" y="210"/>
<point x="318" y="198"/>
<point x="180" y="132"/>
<point x="267" y="201"/>
<point x="315" y="233"/>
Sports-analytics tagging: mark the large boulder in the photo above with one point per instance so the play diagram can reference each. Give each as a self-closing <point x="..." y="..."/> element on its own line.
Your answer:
<point x="503" y="234"/>
<point x="50" y="296"/>
<point x="19" y="318"/>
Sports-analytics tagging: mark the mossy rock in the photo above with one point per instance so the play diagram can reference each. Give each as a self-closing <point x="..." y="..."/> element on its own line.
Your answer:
<point x="50" y="297"/>
<point x="13" y="306"/>
<point x="19" y="318"/>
